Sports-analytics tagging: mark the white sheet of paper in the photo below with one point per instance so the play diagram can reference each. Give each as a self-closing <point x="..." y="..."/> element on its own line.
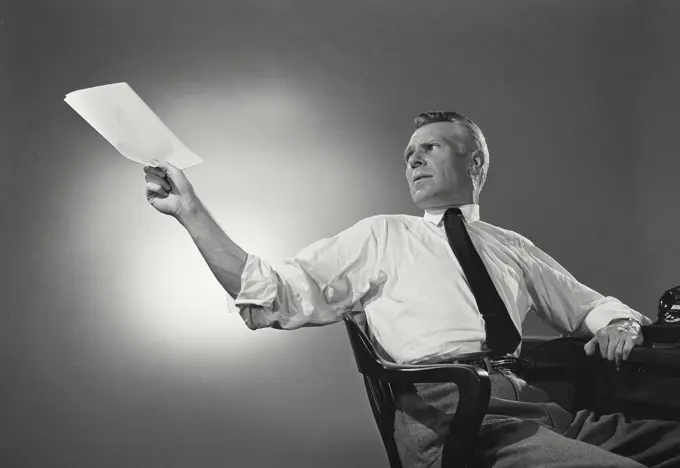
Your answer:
<point x="124" y="119"/>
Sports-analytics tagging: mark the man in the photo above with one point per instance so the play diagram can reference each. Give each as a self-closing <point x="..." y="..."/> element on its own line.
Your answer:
<point x="438" y="288"/>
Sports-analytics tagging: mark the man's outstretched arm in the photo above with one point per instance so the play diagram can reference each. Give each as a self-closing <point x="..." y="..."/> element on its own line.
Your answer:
<point x="170" y="192"/>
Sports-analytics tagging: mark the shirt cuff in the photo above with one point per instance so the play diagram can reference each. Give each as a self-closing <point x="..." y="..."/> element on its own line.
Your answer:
<point x="258" y="286"/>
<point x="608" y="309"/>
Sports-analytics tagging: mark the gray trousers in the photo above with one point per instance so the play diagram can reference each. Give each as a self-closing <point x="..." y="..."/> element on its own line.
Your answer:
<point x="523" y="428"/>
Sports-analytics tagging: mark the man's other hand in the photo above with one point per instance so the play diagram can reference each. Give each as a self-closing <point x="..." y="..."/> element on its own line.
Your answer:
<point x="168" y="190"/>
<point x="616" y="340"/>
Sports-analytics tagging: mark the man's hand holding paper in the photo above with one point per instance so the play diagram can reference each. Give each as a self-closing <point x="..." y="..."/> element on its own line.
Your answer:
<point x="168" y="190"/>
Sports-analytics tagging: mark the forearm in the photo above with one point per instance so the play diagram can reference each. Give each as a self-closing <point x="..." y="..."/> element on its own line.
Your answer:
<point x="224" y="257"/>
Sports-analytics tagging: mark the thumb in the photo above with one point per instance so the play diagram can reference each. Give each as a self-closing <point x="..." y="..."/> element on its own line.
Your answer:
<point x="590" y="346"/>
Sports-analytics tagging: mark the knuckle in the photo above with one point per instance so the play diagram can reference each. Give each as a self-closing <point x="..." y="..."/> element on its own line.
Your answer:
<point x="152" y="172"/>
<point x="156" y="180"/>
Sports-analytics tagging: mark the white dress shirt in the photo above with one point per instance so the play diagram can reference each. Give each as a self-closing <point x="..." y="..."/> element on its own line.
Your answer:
<point x="413" y="289"/>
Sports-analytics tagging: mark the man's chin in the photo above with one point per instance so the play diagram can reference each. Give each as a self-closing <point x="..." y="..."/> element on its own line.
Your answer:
<point x="429" y="203"/>
<point x="423" y="203"/>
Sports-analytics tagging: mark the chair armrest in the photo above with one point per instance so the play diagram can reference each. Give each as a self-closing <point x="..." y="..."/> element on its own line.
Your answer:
<point x="432" y="373"/>
<point x="473" y="383"/>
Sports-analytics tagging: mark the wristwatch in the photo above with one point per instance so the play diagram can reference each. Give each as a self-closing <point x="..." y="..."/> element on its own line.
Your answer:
<point x="631" y="322"/>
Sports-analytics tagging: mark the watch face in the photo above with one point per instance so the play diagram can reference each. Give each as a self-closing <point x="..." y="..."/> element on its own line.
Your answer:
<point x="669" y="307"/>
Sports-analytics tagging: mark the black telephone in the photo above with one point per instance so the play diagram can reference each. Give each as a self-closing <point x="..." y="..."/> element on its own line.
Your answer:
<point x="665" y="332"/>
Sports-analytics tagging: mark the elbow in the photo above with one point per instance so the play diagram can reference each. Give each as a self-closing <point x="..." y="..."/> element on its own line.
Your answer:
<point x="253" y="319"/>
<point x="250" y="325"/>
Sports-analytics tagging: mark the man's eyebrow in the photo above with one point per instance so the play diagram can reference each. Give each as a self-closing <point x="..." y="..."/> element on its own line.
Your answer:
<point x="424" y="142"/>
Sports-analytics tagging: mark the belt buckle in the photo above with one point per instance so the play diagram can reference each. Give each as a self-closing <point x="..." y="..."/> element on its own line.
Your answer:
<point x="512" y="364"/>
<point x="499" y="363"/>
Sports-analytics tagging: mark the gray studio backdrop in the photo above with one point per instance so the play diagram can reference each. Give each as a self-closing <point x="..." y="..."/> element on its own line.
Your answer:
<point x="116" y="347"/>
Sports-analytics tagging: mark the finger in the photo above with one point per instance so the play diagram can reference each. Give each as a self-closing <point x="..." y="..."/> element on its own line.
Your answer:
<point x="618" y="354"/>
<point x="590" y="346"/>
<point x="159" y="181"/>
<point x="627" y="348"/>
<point x="603" y="340"/>
<point x="611" y="347"/>
<point x="639" y="340"/>
<point x="157" y="189"/>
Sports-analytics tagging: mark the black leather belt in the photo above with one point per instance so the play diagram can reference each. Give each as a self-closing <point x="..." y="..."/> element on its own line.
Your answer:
<point x="510" y="363"/>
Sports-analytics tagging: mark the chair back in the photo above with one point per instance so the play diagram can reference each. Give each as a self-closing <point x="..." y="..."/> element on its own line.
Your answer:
<point x="380" y="394"/>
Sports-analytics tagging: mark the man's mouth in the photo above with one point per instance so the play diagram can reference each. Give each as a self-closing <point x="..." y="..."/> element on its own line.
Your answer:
<point x="419" y="178"/>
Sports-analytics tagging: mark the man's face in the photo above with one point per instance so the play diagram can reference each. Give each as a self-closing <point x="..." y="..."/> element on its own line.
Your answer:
<point x="437" y="151"/>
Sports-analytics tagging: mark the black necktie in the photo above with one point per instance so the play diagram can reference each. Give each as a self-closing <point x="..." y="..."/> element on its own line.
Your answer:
<point x="501" y="334"/>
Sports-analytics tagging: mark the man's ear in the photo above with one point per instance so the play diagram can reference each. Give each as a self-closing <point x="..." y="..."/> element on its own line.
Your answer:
<point x="476" y="162"/>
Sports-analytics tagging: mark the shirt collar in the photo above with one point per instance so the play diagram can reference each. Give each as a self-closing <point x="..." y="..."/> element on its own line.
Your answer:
<point x="470" y="212"/>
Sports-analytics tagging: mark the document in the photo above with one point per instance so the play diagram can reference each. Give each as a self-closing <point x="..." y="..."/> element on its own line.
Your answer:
<point x="125" y="121"/>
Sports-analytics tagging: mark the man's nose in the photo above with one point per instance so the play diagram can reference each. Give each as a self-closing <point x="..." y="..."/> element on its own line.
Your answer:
<point x="416" y="159"/>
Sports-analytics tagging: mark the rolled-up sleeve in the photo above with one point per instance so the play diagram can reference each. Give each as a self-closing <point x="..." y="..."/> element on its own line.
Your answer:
<point x="315" y="287"/>
<point x="564" y="302"/>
